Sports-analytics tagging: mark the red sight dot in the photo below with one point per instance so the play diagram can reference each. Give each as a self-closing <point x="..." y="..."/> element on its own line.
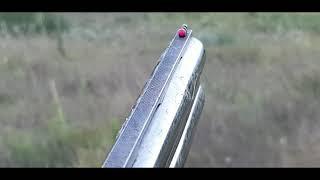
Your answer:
<point x="182" y="32"/>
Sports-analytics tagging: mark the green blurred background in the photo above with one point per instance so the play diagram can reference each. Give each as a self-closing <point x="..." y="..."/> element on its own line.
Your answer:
<point x="68" y="81"/>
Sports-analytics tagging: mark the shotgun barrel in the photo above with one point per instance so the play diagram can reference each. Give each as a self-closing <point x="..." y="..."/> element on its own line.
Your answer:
<point x="159" y="130"/>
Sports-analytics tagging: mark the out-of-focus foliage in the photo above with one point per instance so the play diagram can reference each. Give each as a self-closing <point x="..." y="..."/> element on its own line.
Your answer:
<point x="19" y="24"/>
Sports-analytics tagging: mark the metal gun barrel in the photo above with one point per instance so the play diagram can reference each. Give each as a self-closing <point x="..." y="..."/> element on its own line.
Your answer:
<point x="159" y="129"/>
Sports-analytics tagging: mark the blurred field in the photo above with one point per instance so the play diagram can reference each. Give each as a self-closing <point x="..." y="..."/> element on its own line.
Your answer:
<point x="69" y="80"/>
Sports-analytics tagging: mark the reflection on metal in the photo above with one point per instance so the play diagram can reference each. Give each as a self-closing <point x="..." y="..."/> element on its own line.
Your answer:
<point x="183" y="148"/>
<point x="158" y="132"/>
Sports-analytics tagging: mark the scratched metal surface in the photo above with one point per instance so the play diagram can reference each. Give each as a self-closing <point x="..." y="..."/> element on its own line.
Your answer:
<point x="183" y="148"/>
<point x="163" y="134"/>
<point x="123" y="151"/>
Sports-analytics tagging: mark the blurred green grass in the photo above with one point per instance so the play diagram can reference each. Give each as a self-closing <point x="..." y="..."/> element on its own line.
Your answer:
<point x="18" y="24"/>
<point x="261" y="80"/>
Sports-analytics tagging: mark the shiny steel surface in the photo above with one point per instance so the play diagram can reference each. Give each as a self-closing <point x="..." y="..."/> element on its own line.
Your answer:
<point x="159" y="129"/>
<point x="123" y="152"/>
<point x="164" y="132"/>
<point x="183" y="148"/>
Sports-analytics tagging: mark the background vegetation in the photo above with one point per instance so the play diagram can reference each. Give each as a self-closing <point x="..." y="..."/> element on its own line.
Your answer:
<point x="68" y="81"/>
